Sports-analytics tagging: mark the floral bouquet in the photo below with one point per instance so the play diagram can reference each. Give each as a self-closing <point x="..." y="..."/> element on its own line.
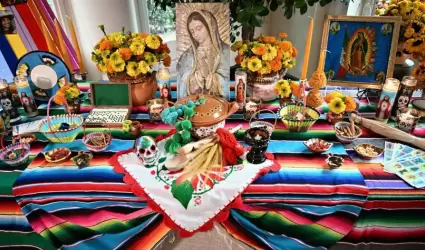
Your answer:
<point x="285" y="88"/>
<point x="131" y="54"/>
<point x="338" y="105"/>
<point x="412" y="33"/>
<point x="69" y="92"/>
<point x="266" y="54"/>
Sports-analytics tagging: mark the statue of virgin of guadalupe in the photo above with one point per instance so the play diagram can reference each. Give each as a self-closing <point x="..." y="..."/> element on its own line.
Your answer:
<point x="204" y="67"/>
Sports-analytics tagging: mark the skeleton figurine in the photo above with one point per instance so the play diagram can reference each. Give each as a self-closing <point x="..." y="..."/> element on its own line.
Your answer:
<point x="8" y="105"/>
<point x="407" y="119"/>
<point x="402" y="101"/>
<point x="146" y="150"/>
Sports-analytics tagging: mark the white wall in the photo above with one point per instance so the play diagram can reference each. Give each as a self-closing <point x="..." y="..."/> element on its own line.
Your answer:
<point x="297" y="27"/>
<point x="87" y="15"/>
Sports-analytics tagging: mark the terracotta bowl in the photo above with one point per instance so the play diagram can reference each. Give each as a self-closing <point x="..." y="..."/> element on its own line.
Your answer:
<point x="360" y="152"/>
<point x="310" y="145"/>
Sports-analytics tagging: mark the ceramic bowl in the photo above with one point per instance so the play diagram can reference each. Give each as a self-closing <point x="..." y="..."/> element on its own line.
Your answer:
<point x="363" y="146"/>
<point x="203" y="132"/>
<point x="48" y="154"/>
<point x="11" y="149"/>
<point x="310" y="145"/>
<point x="346" y="139"/>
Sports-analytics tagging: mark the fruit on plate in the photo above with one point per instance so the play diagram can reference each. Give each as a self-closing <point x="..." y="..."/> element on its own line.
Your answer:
<point x="318" y="145"/>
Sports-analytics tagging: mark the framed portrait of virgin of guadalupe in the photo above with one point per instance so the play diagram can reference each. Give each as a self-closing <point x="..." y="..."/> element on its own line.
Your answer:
<point x="203" y="51"/>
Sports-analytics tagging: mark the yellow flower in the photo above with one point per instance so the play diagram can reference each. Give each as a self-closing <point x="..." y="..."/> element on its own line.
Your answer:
<point x="254" y="64"/>
<point x="153" y="42"/>
<point x="236" y="46"/>
<point x="409" y="32"/>
<point x="137" y="48"/>
<point x="117" y="39"/>
<point x="72" y="93"/>
<point x="282" y="88"/>
<point x="393" y="2"/>
<point x="394" y="12"/>
<point x="266" y="69"/>
<point x="285" y="91"/>
<point x="242" y="50"/>
<point x="133" y="69"/>
<point x="259" y="49"/>
<point x="144" y="67"/>
<point x="333" y="95"/>
<point x="102" y="67"/>
<point x="115" y="57"/>
<point x="118" y="66"/>
<point x="270" y="54"/>
<point x="337" y="106"/>
<point x="244" y="63"/>
<point x="97" y="51"/>
<point x="150" y="58"/>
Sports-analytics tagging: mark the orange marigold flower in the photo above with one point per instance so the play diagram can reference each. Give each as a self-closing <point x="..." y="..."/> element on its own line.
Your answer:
<point x="125" y="53"/>
<point x="59" y="98"/>
<point x="143" y="35"/>
<point x="276" y="64"/>
<point x="164" y="48"/>
<point x="295" y="89"/>
<point x="350" y="104"/>
<point x="259" y="50"/>
<point x="294" y="52"/>
<point x="279" y="55"/>
<point x="283" y="35"/>
<point x="239" y="59"/>
<point x="285" y="45"/>
<point x="105" y="45"/>
<point x="167" y="61"/>
<point x="109" y="68"/>
<point x="269" y="39"/>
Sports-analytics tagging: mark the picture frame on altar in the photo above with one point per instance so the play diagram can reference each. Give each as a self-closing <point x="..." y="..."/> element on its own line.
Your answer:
<point x="7" y="22"/>
<point x="203" y="49"/>
<point x="5" y="3"/>
<point x="361" y="50"/>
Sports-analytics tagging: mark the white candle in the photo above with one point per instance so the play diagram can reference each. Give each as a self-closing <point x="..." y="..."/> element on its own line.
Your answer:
<point x="163" y="74"/>
<point x="386" y="101"/>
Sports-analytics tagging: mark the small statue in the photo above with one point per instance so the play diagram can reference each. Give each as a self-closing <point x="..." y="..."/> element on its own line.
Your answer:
<point x="146" y="150"/>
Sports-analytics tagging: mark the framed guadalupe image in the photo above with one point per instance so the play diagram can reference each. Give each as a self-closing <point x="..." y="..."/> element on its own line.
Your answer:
<point x="362" y="50"/>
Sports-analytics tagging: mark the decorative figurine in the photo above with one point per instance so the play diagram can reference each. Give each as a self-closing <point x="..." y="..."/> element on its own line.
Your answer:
<point x="407" y="119"/>
<point x="146" y="150"/>
<point x="7" y="103"/>
<point x="155" y="108"/>
<point x="251" y="108"/>
<point x="258" y="138"/>
<point x="407" y="87"/>
<point x="240" y="87"/>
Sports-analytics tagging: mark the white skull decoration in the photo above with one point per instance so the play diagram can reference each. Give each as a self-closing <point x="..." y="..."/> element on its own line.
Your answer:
<point x="406" y="125"/>
<point x="6" y="104"/>
<point x="403" y="101"/>
<point x="146" y="150"/>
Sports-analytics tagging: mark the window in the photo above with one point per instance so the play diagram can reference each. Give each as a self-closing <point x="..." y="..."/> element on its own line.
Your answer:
<point x="162" y="22"/>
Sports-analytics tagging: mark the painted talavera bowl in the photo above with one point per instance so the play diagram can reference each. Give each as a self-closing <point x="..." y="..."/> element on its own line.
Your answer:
<point x="209" y="116"/>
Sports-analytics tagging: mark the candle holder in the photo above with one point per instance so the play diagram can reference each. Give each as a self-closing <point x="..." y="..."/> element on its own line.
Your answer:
<point x="163" y="78"/>
<point x="407" y="119"/>
<point x="386" y="101"/>
<point x="251" y="108"/>
<point x="404" y="94"/>
<point x="80" y="77"/>
<point x="258" y="138"/>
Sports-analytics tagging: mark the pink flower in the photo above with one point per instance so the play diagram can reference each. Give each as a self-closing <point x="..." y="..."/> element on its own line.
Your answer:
<point x="167" y="187"/>
<point x="198" y="200"/>
<point x="153" y="172"/>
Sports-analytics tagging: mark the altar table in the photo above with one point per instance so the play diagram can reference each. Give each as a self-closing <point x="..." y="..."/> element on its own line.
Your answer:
<point x="304" y="205"/>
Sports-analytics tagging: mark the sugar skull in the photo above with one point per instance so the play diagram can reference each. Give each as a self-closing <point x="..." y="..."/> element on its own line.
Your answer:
<point x="403" y="101"/>
<point x="146" y="150"/>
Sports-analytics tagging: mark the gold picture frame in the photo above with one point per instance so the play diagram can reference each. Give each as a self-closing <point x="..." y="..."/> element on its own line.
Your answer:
<point x="360" y="61"/>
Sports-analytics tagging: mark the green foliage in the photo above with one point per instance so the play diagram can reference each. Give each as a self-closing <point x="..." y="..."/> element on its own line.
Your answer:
<point x="182" y="192"/>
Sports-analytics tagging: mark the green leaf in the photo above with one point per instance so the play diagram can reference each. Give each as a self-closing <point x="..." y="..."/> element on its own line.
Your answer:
<point x="257" y="20"/>
<point x="274" y="5"/>
<point x="289" y="11"/>
<point x="182" y="192"/>
<point x="162" y="160"/>
<point x="311" y="2"/>
<point x="300" y="3"/>
<point x="303" y="9"/>
<point x="244" y="16"/>
<point x="257" y="9"/>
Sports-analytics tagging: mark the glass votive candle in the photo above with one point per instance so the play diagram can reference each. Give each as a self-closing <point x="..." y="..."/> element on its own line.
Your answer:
<point x="407" y="119"/>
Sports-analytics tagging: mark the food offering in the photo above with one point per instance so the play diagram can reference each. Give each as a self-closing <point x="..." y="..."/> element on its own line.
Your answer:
<point x="96" y="141"/>
<point x="347" y="132"/>
<point x="317" y="145"/>
<point x="82" y="160"/>
<point x="15" y="154"/>
<point x="269" y="126"/>
<point x="57" y="155"/>
<point x="368" y="151"/>
<point x="334" y="161"/>
<point x="298" y="118"/>
<point x="25" y="138"/>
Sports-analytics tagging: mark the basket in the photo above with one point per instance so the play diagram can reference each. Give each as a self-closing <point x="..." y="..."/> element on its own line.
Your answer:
<point x="295" y="125"/>
<point x="22" y="159"/>
<point x="269" y="126"/>
<point x="107" y="138"/>
<point x="50" y="126"/>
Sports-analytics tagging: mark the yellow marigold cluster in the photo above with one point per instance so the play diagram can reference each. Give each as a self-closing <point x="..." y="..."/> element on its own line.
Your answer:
<point x="413" y="26"/>
<point x="338" y="103"/>
<point x="266" y="54"/>
<point x="68" y="92"/>
<point x="130" y="53"/>
<point x="283" y="88"/>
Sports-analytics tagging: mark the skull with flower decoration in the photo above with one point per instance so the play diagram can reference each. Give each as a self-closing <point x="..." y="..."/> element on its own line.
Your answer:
<point x="146" y="150"/>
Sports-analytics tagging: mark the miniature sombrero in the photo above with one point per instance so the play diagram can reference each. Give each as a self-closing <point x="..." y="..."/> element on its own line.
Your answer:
<point x="5" y="13"/>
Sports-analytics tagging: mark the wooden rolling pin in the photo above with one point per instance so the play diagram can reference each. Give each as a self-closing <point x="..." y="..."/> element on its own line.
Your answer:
<point x="388" y="131"/>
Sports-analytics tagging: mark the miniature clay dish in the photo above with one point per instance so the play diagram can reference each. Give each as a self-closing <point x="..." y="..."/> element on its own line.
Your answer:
<point x="344" y="137"/>
<point x="82" y="160"/>
<point x="334" y="161"/>
<point x="368" y="151"/>
<point x="24" y="138"/>
<point x="15" y="154"/>
<point x="57" y="155"/>
<point x="316" y="145"/>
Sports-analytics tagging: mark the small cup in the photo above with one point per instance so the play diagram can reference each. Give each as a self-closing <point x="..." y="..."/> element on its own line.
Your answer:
<point x="126" y="125"/>
<point x="136" y="127"/>
<point x="407" y="119"/>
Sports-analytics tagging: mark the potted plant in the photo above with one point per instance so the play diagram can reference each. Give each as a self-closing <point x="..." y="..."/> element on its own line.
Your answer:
<point x="72" y="95"/>
<point x="338" y="105"/>
<point x="129" y="57"/>
<point x="266" y="60"/>
<point x="411" y="42"/>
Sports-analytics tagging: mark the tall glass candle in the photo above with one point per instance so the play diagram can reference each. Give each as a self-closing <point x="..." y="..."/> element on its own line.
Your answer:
<point x="26" y="96"/>
<point x="404" y="94"/>
<point x="386" y="101"/>
<point x="11" y="113"/>
<point x="164" y="83"/>
<point x="240" y="87"/>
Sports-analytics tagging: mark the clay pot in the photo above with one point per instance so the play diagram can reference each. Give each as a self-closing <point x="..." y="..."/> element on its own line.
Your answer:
<point x="136" y="127"/>
<point x="143" y="87"/>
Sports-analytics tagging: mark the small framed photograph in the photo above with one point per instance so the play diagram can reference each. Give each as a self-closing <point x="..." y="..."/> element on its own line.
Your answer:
<point x="362" y="50"/>
<point x="7" y="22"/>
<point x="5" y="3"/>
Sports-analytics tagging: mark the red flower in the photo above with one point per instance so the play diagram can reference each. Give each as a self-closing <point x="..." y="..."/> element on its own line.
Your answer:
<point x="153" y="172"/>
<point x="167" y="187"/>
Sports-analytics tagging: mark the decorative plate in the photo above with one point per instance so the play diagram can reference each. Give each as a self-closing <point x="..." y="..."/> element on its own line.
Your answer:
<point x="45" y="72"/>
<point x="48" y="154"/>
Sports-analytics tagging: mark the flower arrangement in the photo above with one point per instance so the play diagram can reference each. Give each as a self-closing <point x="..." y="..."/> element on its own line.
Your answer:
<point x="171" y="116"/>
<point x="69" y="92"/>
<point x="286" y="88"/>
<point x="338" y="103"/>
<point x="412" y="33"/>
<point x="266" y="54"/>
<point x="419" y="72"/>
<point x="129" y="53"/>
